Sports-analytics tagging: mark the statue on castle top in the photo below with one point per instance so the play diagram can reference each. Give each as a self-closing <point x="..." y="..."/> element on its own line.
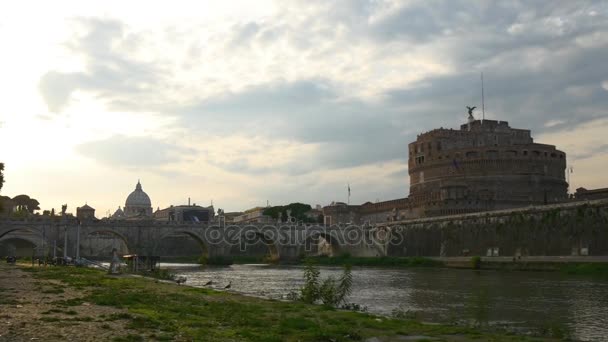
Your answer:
<point x="471" y="109"/>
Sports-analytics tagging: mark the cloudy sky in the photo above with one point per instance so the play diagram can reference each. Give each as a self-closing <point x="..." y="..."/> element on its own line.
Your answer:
<point x="244" y="102"/>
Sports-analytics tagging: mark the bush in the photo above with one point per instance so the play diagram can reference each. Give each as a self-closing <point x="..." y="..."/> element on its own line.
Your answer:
<point x="476" y="262"/>
<point x="330" y="292"/>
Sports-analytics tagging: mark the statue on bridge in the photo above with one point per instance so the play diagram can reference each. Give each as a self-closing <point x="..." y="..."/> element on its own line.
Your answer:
<point x="115" y="264"/>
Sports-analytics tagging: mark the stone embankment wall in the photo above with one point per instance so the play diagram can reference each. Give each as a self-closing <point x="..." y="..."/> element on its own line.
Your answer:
<point x="554" y="230"/>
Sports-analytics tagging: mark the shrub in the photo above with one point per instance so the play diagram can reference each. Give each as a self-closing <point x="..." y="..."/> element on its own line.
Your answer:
<point x="330" y="292"/>
<point x="476" y="262"/>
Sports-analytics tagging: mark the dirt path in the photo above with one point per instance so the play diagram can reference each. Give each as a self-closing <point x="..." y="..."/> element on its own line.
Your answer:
<point x="39" y="309"/>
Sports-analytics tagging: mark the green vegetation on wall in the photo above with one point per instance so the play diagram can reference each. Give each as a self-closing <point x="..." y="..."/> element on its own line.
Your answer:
<point x="298" y="210"/>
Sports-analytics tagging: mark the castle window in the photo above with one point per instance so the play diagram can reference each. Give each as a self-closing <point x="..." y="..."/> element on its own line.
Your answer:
<point x="561" y="156"/>
<point x="492" y="154"/>
<point x="439" y="146"/>
<point x="553" y="155"/>
<point x="472" y="154"/>
<point x="546" y="154"/>
<point x="511" y="153"/>
<point x="525" y="153"/>
<point x="536" y="153"/>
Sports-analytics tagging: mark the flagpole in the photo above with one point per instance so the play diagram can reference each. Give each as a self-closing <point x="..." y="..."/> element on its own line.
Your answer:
<point x="483" y="106"/>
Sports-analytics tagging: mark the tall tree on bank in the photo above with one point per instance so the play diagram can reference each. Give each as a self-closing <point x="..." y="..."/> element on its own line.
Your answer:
<point x="1" y="175"/>
<point x="1" y="182"/>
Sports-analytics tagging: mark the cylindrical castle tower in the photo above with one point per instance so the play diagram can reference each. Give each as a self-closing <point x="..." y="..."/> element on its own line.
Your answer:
<point x="486" y="165"/>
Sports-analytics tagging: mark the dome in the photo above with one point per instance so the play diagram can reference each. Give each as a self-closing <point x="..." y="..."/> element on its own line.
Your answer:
<point x="138" y="198"/>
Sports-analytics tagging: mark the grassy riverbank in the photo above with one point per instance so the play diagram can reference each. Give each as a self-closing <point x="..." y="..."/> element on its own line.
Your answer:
<point x="375" y="261"/>
<point x="153" y="310"/>
<point x="587" y="269"/>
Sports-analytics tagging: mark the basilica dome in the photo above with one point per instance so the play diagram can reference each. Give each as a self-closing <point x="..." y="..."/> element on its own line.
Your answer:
<point x="138" y="198"/>
<point x="138" y="202"/>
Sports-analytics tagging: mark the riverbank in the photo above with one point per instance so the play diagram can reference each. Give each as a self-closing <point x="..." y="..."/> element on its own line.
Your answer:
<point x="595" y="266"/>
<point x="573" y="265"/>
<point x="67" y="303"/>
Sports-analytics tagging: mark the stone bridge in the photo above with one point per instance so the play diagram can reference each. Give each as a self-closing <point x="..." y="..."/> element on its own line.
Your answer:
<point x="145" y="237"/>
<point x="574" y="228"/>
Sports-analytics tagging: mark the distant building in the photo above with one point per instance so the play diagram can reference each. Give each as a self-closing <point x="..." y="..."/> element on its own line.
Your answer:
<point x="85" y="213"/>
<point x="229" y="217"/>
<point x="584" y="194"/>
<point x="340" y="212"/>
<point x="485" y="165"/>
<point x="185" y="213"/>
<point x="253" y="215"/>
<point x="118" y="214"/>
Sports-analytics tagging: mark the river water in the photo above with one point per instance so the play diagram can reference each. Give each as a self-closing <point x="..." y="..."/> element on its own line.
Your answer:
<point x="526" y="302"/>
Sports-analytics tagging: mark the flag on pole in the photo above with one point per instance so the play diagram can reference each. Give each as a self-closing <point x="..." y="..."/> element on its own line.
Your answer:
<point x="348" y="193"/>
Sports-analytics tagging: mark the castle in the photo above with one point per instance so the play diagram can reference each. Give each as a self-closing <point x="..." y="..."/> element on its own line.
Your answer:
<point x="485" y="165"/>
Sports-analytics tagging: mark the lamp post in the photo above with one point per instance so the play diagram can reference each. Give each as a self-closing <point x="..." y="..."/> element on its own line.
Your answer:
<point x="65" y="242"/>
<point x="78" y="242"/>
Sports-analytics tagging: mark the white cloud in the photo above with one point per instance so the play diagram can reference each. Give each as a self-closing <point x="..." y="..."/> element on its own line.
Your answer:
<point x="243" y="102"/>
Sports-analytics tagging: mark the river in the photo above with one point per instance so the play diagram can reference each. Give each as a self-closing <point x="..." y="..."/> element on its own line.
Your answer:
<point x="525" y="302"/>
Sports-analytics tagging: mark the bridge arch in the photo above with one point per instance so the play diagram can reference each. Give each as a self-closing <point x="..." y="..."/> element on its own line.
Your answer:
<point x="252" y="241"/>
<point x="204" y="248"/>
<point x="321" y="242"/>
<point x="90" y="233"/>
<point x="6" y="231"/>
<point x="12" y="239"/>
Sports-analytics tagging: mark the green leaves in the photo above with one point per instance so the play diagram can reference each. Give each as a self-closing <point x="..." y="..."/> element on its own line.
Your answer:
<point x="310" y="291"/>
<point x="330" y="292"/>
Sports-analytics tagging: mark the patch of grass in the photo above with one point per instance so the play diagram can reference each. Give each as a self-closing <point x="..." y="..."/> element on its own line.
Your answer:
<point x="48" y="312"/>
<point x="50" y="319"/>
<point x="69" y="302"/>
<point x="118" y="316"/>
<point x="55" y="290"/>
<point x="129" y="338"/>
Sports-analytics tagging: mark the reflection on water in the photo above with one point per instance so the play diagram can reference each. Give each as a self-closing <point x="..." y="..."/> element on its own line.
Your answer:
<point x="523" y="301"/>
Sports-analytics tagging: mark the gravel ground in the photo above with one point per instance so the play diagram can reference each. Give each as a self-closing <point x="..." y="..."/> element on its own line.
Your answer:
<point x="29" y="311"/>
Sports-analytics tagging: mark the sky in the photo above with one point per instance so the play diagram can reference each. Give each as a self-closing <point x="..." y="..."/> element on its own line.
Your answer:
<point x="255" y="102"/>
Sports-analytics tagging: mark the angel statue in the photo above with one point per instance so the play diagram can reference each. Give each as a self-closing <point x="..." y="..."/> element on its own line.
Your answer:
<point x="471" y="109"/>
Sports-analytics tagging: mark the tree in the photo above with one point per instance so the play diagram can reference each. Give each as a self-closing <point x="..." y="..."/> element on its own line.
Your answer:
<point x="1" y="183"/>
<point x="1" y="175"/>
<point x="21" y="201"/>
<point x="33" y="205"/>
<point x="25" y="203"/>
<point x="298" y="211"/>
